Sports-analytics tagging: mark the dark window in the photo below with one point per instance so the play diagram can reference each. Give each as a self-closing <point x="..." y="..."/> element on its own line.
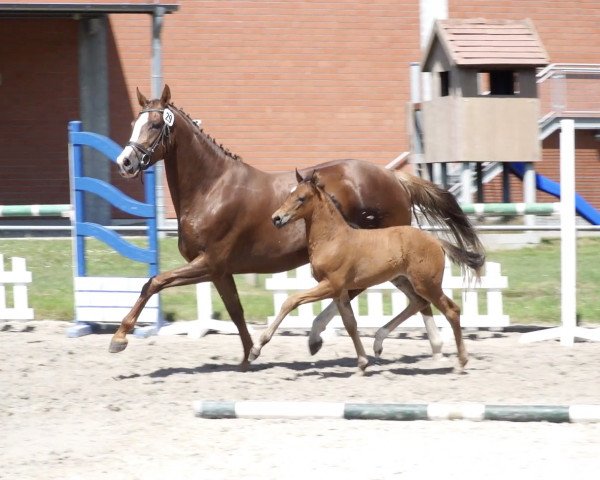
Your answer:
<point x="498" y="82"/>
<point x="444" y="84"/>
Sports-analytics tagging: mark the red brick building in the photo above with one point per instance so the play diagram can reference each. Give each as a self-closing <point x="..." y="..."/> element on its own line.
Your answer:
<point x="282" y="84"/>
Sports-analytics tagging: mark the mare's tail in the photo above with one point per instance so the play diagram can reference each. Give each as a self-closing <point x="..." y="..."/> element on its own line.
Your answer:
<point x="439" y="207"/>
<point x="464" y="258"/>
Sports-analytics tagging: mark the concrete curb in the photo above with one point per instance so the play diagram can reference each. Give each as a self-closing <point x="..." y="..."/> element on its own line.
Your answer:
<point x="397" y="411"/>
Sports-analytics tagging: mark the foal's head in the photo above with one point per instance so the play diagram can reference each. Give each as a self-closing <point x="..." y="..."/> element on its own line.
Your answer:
<point x="300" y="201"/>
<point x="150" y="133"/>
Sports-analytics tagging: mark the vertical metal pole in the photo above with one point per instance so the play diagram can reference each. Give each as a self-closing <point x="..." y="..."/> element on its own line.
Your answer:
<point x="429" y="12"/>
<point x="94" y="106"/>
<point x="156" y="90"/>
<point x="77" y="200"/>
<point x="505" y="183"/>
<point x="466" y="182"/>
<point x="444" y="175"/>
<point x="479" y="181"/>
<point x="568" y="243"/>
<point x="415" y="82"/>
<point x="529" y="190"/>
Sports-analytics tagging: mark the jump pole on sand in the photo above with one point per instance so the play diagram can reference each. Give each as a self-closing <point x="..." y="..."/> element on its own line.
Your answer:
<point x="568" y="330"/>
<point x="398" y="411"/>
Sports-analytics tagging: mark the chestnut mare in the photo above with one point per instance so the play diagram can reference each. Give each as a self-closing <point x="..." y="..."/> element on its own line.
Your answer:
<point x="344" y="259"/>
<point x="223" y="209"/>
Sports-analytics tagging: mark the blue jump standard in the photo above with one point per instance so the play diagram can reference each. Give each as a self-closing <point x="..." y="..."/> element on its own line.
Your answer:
<point x="401" y="412"/>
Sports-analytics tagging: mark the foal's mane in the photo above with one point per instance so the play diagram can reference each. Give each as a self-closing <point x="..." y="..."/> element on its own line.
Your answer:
<point x="218" y="147"/>
<point x="334" y="201"/>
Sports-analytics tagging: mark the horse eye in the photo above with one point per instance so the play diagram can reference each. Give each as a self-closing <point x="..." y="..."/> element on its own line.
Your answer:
<point x="301" y="199"/>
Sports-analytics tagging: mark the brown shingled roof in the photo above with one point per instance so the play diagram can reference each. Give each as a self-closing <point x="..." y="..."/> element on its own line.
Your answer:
<point x="480" y="42"/>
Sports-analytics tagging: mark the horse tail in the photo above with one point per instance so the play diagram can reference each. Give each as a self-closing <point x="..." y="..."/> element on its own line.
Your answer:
<point x="439" y="207"/>
<point x="464" y="258"/>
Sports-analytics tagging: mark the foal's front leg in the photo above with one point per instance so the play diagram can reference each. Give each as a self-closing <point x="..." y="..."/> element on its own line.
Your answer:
<point x="315" y="342"/>
<point x="343" y="304"/>
<point x="321" y="291"/>
<point x="194" y="272"/>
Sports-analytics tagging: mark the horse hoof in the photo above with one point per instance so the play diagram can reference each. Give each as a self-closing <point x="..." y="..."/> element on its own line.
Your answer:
<point x="244" y="366"/>
<point x="254" y="353"/>
<point x="117" y="346"/>
<point x="315" y="346"/>
<point x="377" y="347"/>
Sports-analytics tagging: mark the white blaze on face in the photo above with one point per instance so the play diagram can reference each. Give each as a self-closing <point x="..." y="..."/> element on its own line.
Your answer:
<point x="135" y="135"/>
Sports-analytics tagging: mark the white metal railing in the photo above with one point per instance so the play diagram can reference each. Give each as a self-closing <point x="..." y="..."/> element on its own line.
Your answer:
<point x="370" y="309"/>
<point x="18" y="278"/>
<point x="569" y="89"/>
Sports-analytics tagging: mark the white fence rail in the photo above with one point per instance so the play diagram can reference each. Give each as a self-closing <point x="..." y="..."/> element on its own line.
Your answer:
<point x="17" y="279"/>
<point x="372" y="311"/>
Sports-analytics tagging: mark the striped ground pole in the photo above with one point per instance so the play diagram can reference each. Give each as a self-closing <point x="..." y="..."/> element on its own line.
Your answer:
<point x="398" y="411"/>
<point x="58" y="210"/>
<point x="511" y="208"/>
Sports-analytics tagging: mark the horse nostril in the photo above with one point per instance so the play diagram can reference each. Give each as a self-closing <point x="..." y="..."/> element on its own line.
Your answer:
<point x="276" y="220"/>
<point x="126" y="162"/>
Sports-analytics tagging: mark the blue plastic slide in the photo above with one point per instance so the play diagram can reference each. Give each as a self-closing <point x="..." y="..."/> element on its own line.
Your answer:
<point x="583" y="208"/>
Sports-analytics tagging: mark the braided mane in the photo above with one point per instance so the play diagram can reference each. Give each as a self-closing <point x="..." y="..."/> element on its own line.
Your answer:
<point x="205" y="136"/>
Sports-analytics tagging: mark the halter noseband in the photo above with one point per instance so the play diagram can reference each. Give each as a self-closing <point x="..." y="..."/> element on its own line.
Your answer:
<point x="148" y="152"/>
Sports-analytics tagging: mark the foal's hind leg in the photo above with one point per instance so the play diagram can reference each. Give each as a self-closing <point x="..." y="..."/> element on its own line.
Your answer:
<point x="315" y="342"/>
<point x="194" y="272"/>
<point x="452" y="313"/>
<point x="343" y="304"/>
<point x="433" y="334"/>
<point x="415" y="304"/>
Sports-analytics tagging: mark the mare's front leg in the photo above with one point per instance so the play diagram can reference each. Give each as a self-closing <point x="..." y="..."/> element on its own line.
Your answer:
<point x="315" y="342"/>
<point x="321" y="291"/>
<point x="194" y="272"/>
<point x="229" y="294"/>
<point x="343" y="304"/>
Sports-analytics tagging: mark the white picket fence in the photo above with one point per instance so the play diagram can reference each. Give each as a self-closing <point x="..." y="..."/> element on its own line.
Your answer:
<point x="17" y="279"/>
<point x="371" y="310"/>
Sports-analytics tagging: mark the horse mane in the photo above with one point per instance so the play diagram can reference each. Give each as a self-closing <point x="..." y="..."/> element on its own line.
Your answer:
<point x="219" y="147"/>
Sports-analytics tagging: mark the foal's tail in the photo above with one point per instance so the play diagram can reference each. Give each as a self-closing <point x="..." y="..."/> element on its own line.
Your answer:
<point x="464" y="258"/>
<point x="439" y="207"/>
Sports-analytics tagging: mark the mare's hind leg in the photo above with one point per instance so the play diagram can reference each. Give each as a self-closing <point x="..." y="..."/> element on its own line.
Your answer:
<point x="194" y="272"/>
<point x="343" y="304"/>
<point x="229" y="294"/>
<point x="315" y="342"/>
<point x="433" y="334"/>
<point x="321" y="291"/>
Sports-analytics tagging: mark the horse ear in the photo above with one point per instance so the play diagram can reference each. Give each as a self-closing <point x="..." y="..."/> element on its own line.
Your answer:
<point x="313" y="177"/>
<point x="165" y="98"/>
<point x="299" y="178"/>
<point x="143" y="101"/>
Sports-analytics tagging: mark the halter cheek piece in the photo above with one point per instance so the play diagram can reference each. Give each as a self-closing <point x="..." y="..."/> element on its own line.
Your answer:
<point x="148" y="152"/>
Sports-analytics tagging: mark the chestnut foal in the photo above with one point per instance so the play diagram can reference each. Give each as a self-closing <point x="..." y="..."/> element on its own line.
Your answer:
<point x="345" y="259"/>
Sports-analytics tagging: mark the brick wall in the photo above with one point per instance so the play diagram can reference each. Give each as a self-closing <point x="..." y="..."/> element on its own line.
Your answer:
<point x="283" y="84"/>
<point x="38" y="96"/>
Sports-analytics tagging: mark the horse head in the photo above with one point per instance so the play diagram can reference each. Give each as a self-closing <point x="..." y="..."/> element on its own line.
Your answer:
<point x="298" y="203"/>
<point x="150" y="132"/>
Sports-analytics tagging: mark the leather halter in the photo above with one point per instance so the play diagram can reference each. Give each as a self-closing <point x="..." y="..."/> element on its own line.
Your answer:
<point x="148" y="152"/>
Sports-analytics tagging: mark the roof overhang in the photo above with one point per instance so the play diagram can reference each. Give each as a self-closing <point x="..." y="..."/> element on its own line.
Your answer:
<point x="29" y="10"/>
